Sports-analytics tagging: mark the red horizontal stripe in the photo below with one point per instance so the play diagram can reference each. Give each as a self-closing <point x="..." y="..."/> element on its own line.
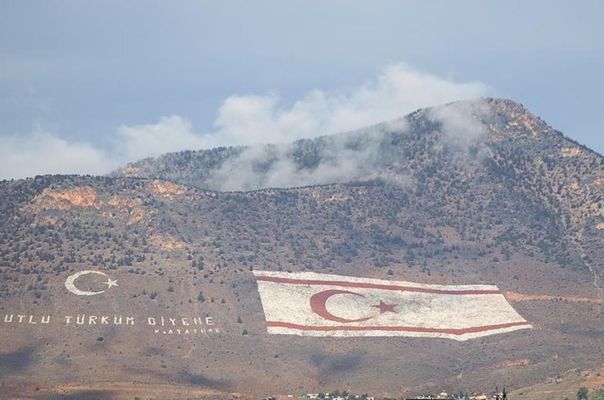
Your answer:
<point x="367" y="285"/>
<point x="419" y="329"/>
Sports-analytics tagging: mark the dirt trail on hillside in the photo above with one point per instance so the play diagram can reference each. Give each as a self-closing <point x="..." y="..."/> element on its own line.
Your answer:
<point x="123" y="390"/>
<point x="518" y="297"/>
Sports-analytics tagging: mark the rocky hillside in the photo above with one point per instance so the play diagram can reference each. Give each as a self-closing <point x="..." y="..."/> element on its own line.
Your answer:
<point x="430" y="149"/>
<point x="467" y="193"/>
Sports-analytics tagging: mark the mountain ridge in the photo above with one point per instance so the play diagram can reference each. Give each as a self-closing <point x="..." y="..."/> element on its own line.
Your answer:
<point x="194" y="167"/>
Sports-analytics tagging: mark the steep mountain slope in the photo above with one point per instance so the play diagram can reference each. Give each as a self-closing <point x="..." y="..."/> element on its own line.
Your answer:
<point x="441" y="146"/>
<point x="478" y="192"/>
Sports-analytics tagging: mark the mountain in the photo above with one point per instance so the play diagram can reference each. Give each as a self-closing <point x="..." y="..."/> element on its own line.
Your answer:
<point x="473" y="192"/>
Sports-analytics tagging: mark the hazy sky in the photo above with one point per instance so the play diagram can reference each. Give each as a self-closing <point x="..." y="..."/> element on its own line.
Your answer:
<point x="87" y="85"/>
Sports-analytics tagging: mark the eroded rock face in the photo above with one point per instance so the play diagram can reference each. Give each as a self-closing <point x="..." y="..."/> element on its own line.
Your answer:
<point x="166" y="241"/>
<point x="167" y="189"/>
<point x="84" y="196"/>
<point x="570" y="152"/>
<point x="130" y="171"/>
<point x="132" y="207"/>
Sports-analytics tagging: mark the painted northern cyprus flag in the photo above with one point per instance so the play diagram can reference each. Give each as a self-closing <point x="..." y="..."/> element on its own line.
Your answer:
<point x="311" y="304"/>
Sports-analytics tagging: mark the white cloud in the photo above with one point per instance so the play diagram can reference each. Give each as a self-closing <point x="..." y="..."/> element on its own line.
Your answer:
<point x="43" y="153"/>
<point x="342" y="158"/>
<point x="241" y="120"/>
<point x="397" y="91"/>
<point x="461" y="122"/>
<point x="169" y="134"/>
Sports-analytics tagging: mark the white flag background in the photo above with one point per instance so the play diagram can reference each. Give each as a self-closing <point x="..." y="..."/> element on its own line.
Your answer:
<point x="312" y="304"/>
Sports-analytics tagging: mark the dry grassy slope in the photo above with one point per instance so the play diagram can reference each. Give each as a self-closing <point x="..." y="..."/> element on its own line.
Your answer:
<point x="526" y="216"/>
<point x="564" y="386"/>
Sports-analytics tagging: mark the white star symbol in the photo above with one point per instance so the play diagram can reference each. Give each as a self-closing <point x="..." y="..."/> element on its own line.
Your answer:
<point x="110" y="283"/>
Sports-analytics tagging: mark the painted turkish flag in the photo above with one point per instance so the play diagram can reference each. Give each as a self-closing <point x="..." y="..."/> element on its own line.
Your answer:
<point x="312" y="304"/>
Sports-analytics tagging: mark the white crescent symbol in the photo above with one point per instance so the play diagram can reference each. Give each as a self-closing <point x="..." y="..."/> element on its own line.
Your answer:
<point x="70" y="283"/>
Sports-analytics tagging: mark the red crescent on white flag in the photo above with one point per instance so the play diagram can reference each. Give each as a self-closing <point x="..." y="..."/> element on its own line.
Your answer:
<point x="318" y="305"/>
